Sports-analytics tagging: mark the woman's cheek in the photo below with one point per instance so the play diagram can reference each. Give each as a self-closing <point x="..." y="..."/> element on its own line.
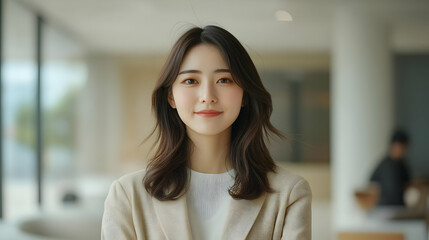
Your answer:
<point x="235" y="97"/>
<point x="184" y="99"/>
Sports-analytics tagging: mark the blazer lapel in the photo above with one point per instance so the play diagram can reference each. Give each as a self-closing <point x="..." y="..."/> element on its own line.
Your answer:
<point x="173" y="218"/>
<point x="241" y="216"/>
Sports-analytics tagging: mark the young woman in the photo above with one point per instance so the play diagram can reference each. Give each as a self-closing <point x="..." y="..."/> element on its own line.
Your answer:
<point x="211" y="176"/>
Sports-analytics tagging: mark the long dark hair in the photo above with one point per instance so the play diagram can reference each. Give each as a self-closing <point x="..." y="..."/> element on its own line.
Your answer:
<point x="167" y="172"/>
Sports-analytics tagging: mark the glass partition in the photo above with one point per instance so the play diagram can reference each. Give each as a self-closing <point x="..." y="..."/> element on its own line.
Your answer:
<point x="64" y="73"/>
<point x="19" y="111"/>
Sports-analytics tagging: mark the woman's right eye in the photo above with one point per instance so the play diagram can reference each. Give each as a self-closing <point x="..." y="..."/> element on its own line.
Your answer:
<point x="190" y="81"/>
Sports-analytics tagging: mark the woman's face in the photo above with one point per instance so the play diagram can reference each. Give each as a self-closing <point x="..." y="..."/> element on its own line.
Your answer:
<point x="204" y="93"/>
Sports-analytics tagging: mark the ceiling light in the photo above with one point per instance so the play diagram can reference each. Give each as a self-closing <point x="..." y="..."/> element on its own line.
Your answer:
<point x="284" y="16"/>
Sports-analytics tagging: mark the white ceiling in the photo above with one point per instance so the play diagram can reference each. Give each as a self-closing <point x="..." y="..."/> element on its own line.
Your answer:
<point x="151" y="26"/>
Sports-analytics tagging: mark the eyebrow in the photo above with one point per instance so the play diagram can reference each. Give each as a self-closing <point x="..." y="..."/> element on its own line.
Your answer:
<point x="198" y="71"/>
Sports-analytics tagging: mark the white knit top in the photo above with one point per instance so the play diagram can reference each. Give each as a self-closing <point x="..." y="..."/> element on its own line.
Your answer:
<point x="208" y="202"/>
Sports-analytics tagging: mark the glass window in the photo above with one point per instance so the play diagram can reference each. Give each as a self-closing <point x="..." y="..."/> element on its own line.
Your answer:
<point x="19" y="111"/>
<point x="64" y="72"/>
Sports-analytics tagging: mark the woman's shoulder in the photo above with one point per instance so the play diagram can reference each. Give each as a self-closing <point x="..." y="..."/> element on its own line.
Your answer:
<point x="283" y="180"/>
<point x="132" y="176"/>
<point x="131" y="182"/>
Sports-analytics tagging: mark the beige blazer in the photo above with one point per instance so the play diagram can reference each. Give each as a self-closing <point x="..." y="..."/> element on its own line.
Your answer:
<point x="131" y="213"/>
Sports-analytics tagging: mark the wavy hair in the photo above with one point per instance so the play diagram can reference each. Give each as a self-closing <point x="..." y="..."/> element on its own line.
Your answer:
<point x="167" y="173"/>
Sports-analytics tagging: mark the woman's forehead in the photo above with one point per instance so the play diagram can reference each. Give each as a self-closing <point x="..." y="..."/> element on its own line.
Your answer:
<point x="204" y="57"/>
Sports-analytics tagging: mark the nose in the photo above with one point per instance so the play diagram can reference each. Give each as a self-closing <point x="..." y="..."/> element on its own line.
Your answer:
<point x="208" y="94"/>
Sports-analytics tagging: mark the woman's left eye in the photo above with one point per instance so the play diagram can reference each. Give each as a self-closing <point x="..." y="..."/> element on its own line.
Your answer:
<point x="190" y="81"/>
<point x="224" y="80"/>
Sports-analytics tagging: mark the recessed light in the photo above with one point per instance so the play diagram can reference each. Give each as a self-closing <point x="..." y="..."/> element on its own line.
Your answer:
<point x="283" y="16"/>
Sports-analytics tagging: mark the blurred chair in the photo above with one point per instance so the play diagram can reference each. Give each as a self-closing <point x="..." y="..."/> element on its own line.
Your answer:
<point x="415" y="195"/>
<point x="367" y="198"/>
<point x="370" y="236"/>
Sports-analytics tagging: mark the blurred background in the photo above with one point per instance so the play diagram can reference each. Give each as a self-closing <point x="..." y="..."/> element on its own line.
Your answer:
<point x="76" y="83"/>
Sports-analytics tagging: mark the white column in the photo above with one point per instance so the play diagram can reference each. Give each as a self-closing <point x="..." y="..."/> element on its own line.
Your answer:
<point x="362" y="106"/>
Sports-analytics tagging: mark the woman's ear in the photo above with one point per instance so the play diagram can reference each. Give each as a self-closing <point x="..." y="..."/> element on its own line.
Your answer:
<point x="171" y="100"/>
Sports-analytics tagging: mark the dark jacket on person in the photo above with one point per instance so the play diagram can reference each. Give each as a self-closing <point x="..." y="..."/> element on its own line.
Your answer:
<point x="392" y="177"/>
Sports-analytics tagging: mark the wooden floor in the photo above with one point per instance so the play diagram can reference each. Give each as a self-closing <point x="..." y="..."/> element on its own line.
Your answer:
<point x="370" y="236"/>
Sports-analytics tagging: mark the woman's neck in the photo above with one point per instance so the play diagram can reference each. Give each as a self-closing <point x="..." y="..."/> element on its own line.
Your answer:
<point x="210" y="153"/>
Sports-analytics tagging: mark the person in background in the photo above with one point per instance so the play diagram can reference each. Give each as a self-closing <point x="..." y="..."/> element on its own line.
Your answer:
<point x="392" y="174"/>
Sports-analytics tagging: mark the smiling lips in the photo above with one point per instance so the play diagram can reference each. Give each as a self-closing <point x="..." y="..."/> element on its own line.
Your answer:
<point x="208" y="113"/>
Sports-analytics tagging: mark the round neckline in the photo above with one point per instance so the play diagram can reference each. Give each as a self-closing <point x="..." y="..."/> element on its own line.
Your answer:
<point x="230" y="172"/>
